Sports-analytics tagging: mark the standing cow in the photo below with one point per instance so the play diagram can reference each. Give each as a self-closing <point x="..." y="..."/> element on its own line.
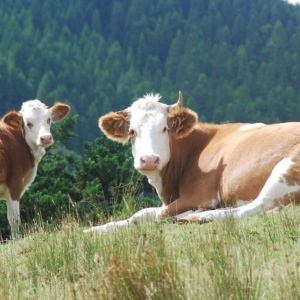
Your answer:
<point x="24" y="136"/>
<point x="196" y="167"/>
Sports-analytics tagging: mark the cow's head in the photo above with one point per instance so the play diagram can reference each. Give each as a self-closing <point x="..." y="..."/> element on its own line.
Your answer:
<point x="149" y="125"/>
<point x="35" y="118"/>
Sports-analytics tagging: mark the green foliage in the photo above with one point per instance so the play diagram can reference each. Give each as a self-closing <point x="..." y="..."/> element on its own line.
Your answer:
<point x="101" y="55"/>
<point x="103" y="170"/>
<point x="97" y="177"/>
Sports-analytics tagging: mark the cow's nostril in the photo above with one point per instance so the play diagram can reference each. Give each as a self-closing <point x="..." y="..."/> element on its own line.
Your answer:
<point x="46" y="139"/>
<point x="149" y="161"/>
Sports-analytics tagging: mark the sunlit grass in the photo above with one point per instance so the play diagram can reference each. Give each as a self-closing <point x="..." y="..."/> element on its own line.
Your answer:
<point x="253" y="258"/>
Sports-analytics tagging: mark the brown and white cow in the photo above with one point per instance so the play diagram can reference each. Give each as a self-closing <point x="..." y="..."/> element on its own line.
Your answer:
<point x="24" y="136"/>
<point x="197" y="167"/>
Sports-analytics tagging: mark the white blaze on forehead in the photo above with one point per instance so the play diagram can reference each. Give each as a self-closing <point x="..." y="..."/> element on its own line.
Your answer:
<point x="149" y="102"/>
<point x="28" y="105"/>
<point x="35" y="111"/>
<point x="148" y="118"/>
<point x="147" y="113"/>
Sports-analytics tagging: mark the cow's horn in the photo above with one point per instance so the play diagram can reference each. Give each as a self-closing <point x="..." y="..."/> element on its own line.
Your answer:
<point x="179" y="103"/>
<point x="180" y="100"/>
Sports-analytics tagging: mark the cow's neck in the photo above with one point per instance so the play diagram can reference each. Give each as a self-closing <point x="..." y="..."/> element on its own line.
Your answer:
<point x="36" y="156"/>
<point x="37" y="152"/>
<point x="156" y="181"/>
<point x="30" y="160"/>
<point x="184" y="153"/>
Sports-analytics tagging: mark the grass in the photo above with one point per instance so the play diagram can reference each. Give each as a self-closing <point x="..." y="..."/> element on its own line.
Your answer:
<point x="253" y="258"/>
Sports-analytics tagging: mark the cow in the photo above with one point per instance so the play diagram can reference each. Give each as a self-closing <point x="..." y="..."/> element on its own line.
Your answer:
<point x="24" y="136"/>
<point x="198" y="169"/>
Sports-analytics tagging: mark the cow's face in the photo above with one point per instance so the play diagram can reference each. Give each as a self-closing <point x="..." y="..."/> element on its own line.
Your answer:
<point x="36" y="120"/>
<point x="149" y="125"/>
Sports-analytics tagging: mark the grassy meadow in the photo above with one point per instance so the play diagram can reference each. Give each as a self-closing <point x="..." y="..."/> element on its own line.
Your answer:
<point x="253" y="258"/>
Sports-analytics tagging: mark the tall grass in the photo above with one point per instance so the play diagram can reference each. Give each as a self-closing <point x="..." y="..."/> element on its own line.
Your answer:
<point x="254" y="258"/>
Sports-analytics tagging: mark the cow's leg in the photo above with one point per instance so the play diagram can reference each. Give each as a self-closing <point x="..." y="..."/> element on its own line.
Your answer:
<point x="176" y="210"/>
<point x="13" y="216"/>
<point x="146" y="214"/>
<point x="282" y="185"/>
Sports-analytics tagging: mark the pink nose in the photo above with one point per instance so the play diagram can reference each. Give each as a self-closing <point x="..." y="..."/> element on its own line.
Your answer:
<point x="149" y="162"/>
<point x="46" y="139"/>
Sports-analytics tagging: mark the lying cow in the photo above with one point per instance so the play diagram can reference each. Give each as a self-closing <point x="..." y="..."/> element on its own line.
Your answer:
<point x="24" y="136"/>
<point x="197" y="167"/>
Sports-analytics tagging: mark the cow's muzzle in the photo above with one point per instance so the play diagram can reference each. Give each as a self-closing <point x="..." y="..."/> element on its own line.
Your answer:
<point x="149" y="162"/>
<point x="46" y="140"/>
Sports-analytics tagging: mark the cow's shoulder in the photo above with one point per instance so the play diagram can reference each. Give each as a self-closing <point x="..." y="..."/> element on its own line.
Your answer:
<point x="13" y="147"/>
<point x="11" y="135"/>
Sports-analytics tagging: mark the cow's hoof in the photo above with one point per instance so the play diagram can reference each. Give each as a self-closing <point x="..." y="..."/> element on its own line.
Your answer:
<point x="194" y="219"/>
<point x="187" y="219"/>
<point x="182" y="221"/>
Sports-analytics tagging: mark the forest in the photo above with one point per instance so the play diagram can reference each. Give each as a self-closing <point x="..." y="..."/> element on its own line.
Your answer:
<point x="234" y="61"/>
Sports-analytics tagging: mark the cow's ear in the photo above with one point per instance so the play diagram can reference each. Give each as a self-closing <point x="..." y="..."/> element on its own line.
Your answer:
<point x="13" y="119"/>
<point x="181" y="122"/>
<point x="59" y="111"/>
<point x="115" y="125"/>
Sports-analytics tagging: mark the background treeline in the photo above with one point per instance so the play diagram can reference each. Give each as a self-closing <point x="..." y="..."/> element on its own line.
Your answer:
<point x="234" y="60"/>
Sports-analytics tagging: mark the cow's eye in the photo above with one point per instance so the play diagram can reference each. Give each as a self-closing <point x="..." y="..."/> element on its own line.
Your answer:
<point x="165" y="129"/>
<point x="29" y="125"/>
<point x="131" y="133"/>
<point x="49" y="121"/>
